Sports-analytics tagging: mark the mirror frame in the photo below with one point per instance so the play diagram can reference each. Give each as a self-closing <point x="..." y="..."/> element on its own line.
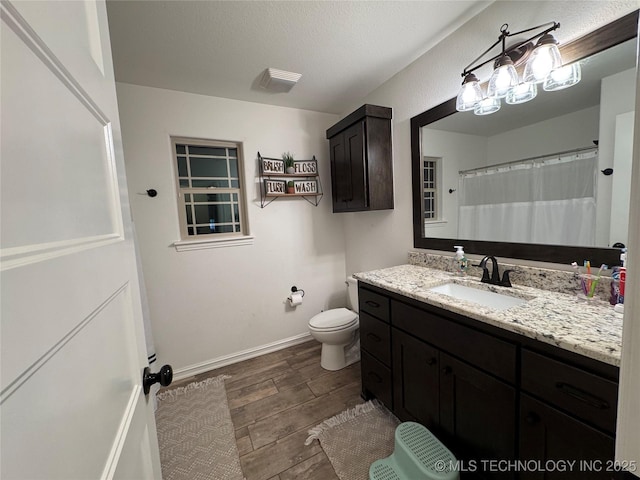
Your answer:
<point x="610" y="35"/>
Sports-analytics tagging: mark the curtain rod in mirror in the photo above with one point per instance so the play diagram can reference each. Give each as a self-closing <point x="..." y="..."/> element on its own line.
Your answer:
<point x="603" y="38"/>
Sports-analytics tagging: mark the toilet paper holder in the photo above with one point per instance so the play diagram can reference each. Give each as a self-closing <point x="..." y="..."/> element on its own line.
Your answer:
<point x="295" y="298"/>
<point x="295" y="289"/>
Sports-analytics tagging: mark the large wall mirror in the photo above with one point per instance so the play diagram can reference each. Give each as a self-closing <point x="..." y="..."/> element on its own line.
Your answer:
<point x="533" y="181"/>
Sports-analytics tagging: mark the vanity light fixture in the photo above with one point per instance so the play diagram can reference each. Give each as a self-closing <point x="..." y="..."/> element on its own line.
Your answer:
<point x="543" y="66"/>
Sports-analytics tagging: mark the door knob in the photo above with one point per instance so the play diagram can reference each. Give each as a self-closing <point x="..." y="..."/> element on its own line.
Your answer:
<point x="164" y="376"/>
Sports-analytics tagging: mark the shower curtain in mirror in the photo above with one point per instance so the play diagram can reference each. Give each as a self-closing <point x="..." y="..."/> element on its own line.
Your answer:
<point x="551" y="200"/>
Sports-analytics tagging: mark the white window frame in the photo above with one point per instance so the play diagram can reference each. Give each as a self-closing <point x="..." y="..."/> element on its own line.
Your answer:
<point x="436" y="189"/>
<point x="213" y="240"/>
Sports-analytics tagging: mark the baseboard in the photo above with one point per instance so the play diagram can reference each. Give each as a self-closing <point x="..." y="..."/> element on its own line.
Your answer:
<point x="182" y="373"/>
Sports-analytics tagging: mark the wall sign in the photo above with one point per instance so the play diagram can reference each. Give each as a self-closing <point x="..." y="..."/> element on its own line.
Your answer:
<point x="305" y="167"/>
<point x="305" y="187"/>
<point x="272" y="165"/>
<point x="275" y="187"/>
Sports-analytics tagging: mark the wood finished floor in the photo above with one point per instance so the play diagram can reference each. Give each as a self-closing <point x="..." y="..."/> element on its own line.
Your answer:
<point x="274" y="400"/>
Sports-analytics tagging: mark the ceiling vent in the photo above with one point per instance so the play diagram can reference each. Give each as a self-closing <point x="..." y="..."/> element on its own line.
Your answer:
<point x="276" y="80"/>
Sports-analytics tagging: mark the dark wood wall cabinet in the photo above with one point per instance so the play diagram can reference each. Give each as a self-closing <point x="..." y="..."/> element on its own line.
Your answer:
<point x="361" y="160"/>
<point x="487" y="393"/>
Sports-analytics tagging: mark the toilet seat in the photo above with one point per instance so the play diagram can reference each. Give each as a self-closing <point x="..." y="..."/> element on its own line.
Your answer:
<point x="334" y="319"/>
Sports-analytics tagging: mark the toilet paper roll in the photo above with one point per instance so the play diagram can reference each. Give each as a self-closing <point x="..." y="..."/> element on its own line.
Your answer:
<point x="295" y="299"/>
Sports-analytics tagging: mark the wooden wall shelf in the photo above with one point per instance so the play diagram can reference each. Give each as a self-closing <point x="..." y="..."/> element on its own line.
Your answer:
<point x="274" y="180"/>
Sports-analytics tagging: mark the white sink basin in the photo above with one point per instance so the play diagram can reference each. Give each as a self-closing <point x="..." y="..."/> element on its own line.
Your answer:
<point x="493" y="300"/>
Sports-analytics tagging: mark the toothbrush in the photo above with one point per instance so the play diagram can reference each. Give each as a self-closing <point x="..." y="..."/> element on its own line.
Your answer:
<point x="595" y="282"/>
<point x="582" y="284"/>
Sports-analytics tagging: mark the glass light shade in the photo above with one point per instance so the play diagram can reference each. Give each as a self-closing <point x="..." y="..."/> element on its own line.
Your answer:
<point x="543" y="60"/>
<point x="470" y="94"/>
<point x="487" y="106"/>
<point x="522" y="93"/>
<point x="504" y="77"/>
<point x="563" y="77"/>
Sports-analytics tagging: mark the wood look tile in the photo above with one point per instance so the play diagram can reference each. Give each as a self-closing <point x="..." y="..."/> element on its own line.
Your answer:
<point x="317" y="467"/>
<point x="274" y="400"/>
<point x="304" y="359"/>
<point x="330" y="382"/>
<point x="258" y="410"/>
<point x="276" y="457"/>
<point x="294" y="377"/>
<point x="244" y="445"/>
<point x="251" y="377"/>
<point x="305" y="415"/>
<point x="243" y="396"/>
<point x="242" y="432"/>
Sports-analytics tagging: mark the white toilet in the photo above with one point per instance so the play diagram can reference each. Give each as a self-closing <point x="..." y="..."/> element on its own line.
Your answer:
<point x="335" y="329"/>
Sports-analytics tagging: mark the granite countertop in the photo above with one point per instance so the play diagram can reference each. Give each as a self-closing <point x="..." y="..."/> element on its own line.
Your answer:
<point x="591" y="329"/>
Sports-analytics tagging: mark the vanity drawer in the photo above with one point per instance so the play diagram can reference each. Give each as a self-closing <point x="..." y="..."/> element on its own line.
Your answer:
<point x="583" y="394"/>
<point x="375" y="337"/>
<point x="481" y="350"/>
<point x="374" y="304"/>
<point x="376" y="379"/>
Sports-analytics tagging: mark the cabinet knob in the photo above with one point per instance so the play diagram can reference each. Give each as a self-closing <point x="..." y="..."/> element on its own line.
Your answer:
<point x="447" y="370"/>
<point x="432" y="361"/>
<point x="532" y="418"/>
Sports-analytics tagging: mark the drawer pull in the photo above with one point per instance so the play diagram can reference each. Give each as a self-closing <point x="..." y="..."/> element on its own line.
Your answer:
<point x="374" y="337"/>
<point x="582" y="396"/>
<point x="377" y="378"/>
<point x="373" y="304"/>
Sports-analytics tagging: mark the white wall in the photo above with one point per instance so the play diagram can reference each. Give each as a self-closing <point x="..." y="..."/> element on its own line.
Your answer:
<point x="207" y="304"/>
<point x="458" y="152"/>
<point x="615" y="93"/>
<point x="380" y="239"/>
<point x="559" y="134"/>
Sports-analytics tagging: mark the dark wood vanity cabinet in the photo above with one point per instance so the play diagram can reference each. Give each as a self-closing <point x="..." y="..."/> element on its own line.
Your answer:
<point x="416" y="380"/>
<point x="547" y="434"/>
<point x="375" y="347"/>
<point x="472" y="412"/>
<point x="566" y="412"/>
<point x="361" y="160"/>
<point x="488" y="393"/>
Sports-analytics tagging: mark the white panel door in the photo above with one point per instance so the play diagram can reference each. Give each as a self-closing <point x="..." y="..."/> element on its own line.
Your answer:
<point x="72" y="341"/>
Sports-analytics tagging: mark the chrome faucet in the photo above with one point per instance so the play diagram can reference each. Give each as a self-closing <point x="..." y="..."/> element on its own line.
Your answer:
<point x="494" y="279"/>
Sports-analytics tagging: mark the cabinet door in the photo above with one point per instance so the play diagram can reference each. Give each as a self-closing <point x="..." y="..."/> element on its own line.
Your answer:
<point x="376" y="380"/>
<point x="477" y="413"/>
<point x="415" y="378"/>
<point x="546" y="434"/>
<point x="348" y="168"/>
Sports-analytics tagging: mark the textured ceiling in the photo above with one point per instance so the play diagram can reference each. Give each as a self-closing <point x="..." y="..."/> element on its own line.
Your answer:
<point x="343" y="49"/>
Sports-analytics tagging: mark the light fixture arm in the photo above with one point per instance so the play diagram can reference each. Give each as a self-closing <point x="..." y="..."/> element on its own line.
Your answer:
<point x="504" y="34"/>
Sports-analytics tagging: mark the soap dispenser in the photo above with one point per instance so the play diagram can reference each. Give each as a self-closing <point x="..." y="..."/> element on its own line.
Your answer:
<point x="461" y="264"/>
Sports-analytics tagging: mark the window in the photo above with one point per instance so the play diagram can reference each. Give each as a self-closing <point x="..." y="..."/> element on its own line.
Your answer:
<point x="210" y="189"/>
<point x="430" y="193"/>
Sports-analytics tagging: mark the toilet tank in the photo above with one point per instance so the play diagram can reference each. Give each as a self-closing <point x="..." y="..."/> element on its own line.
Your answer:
<point x="352" y="288"/>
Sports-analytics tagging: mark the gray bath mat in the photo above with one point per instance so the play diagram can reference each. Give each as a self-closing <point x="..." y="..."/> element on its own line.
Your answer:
<point x="196" y="434"/>
<point x="355" y="438"/>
